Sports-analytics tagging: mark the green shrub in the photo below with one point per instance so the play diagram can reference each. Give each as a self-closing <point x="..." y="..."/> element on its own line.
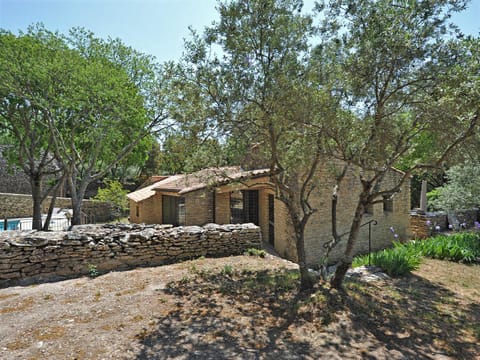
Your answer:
<point x="92" y="270"/>
<point x="403" y="258"/>
<point x="461" y="247"/>
<point x="256" y="252"/>
<point x="396" y="261"/>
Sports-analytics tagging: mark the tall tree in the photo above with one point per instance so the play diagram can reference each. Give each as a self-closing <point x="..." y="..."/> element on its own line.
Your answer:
<point x="402" y="79"/>
<point x="102" y="100"/>
<point x="30" y="82"/>
<point x="120" y="104"/>
<point x="259" y="88"/>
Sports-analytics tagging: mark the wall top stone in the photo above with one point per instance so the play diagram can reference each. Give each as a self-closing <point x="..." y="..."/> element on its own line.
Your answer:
<point x="123" y="233"/>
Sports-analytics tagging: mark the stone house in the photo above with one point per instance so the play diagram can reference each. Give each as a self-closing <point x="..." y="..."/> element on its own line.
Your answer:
<point x="232" y="195"/>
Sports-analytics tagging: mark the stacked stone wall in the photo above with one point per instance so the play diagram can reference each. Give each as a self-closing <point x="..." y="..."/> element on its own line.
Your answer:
<point x="418" y="226"/>
<point x="424" y="225"/>
<point x="27" y="257"/>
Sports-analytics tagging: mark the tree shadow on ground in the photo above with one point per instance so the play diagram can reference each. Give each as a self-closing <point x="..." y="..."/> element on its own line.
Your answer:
<point x="225" y="316"/>
<point x="415" y="318"/>
<point x="261" y="315"/>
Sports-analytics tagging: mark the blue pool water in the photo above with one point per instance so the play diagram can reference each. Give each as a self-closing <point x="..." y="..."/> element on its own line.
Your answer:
<point x="11" y="225"/>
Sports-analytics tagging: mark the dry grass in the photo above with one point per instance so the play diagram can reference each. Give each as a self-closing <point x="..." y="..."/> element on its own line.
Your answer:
<point x="23" y="305"/>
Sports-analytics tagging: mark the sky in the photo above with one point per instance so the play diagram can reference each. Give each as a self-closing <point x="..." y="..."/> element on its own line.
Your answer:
<point x="155" y="27"/>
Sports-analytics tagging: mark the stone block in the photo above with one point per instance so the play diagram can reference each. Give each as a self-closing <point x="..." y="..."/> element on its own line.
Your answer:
<point x="10" y="275"/>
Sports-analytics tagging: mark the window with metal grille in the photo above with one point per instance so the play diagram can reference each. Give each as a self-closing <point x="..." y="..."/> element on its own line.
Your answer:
<point x="244" y="207"/>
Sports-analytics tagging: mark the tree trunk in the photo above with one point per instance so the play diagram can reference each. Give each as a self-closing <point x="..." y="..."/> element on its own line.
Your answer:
<point x="77" y="192"/>
<point x="306" y="281"/>
<point x="77" y="211"/>
<point x="36" y="184"/>
<point x="46" y="224"/>
<point x="346" y="260"/>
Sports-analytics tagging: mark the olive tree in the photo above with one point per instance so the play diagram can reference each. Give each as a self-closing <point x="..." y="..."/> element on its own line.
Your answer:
<point x="250" y="78"/>
<point x="403" y="75"/>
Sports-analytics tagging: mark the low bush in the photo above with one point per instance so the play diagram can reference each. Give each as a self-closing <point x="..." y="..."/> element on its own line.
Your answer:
<point x="396" y="261"/>
<point x="461" y="247"/>
<point x="403" y="258"/>
<point x="256" y="252"/>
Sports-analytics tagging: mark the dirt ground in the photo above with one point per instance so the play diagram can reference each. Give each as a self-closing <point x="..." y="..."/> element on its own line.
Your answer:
<point x="243" y="307"/>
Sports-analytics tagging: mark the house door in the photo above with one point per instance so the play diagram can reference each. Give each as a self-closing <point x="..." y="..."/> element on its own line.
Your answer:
<point x="173" y="210"/>
<point x="271" y="220"/>
<point x="250" y="201"/>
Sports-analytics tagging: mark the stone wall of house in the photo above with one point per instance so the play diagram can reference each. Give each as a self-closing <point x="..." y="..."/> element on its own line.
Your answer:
<point x="318" y="229"/>
<point x="20" y="205"/>
<point x="27" y="257"/>
<point x="222" y="208"/>
<point x="149" y="211"/>
<point x="199" y="207"/>
<point x="284" y="237"/>
<point x="263" y="219"/>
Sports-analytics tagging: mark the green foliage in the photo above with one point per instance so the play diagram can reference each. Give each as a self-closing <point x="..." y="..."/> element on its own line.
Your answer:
<point x="92" y="270"/>
<point x="89" y="101"/>
<point x="396" y="261"/>
<point x="459" y="247"/>
<point x="227" y="270"/>
<point x="402" y="94"/>
<point x="462" y="190"/>
<point x="187" y="152"/>
<point x="114" y="193"/>
<point x="153" y="163"/>
<point x="432" y="198"/>
<point x="256" y="252"/>
<point x="403" y="258"/>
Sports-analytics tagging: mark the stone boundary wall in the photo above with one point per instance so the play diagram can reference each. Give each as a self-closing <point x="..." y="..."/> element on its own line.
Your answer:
<point x="424" y="225"/>
<point x="20" y="205"/>
<point x="34" y="256"/>
<point x="418" y="226"/>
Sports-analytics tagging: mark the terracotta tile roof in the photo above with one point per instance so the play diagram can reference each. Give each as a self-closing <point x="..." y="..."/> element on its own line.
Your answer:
<point x="151" y="180"/>
<point x="185" y="183"/>
<point x="142" y="194"/>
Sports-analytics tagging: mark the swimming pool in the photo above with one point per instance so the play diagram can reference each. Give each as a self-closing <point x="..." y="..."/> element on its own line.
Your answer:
<point x="11" y="225"/>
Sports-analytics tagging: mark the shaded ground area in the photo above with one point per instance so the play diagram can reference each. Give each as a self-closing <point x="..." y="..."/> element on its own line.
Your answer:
<point x="247" y="308"/>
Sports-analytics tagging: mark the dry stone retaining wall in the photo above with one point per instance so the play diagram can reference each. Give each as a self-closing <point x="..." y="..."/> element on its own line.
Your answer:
<point x="33" y="256"/>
